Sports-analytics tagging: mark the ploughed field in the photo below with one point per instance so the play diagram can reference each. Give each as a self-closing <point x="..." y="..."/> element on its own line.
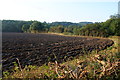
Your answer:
<point x="37" y="49"/>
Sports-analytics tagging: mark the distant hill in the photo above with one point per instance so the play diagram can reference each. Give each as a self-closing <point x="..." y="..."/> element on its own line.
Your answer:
<point x="70" y="23"/>
<point x="84" y="23"/>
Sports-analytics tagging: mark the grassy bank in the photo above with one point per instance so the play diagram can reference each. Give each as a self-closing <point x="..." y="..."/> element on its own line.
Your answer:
<point x="92" y="65"/>
<point x="72" y="35"/>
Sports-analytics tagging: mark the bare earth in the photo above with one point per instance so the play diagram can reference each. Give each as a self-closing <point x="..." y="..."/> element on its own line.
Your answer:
<point x="37" y="49"/>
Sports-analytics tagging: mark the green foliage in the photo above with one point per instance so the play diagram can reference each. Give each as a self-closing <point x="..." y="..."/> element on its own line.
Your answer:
<point x="36" y="26"/>
<point x="104" y="29"/>
<point x="57" y="29"/>
<point x="30" y="67"/>
<point x="16" y="68"/>
<point x="66" y="24"/>
<point x="109" y="28"/>
<point x="13" y="25"/>
<point x="93" y="30"/>
<point x="117" y="27"/>
<point x="25" y="27"/>
<point x="6" y="74"/>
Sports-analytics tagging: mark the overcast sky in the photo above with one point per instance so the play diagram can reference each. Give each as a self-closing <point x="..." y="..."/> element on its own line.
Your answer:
<point x="58" y="10"/>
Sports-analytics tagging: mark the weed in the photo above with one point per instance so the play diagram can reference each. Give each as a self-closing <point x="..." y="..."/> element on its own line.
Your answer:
<point x="6" y="74"/>
<point x="16" y="68"/>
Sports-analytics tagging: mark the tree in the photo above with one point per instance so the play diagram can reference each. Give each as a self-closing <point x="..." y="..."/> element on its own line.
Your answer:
<point x="57" y="29"/>
<point x="12" y="25"/>
<point x="117" y="27"/>
<point x="25" y="27"/>
<point x="36" y="27"/>
<point x="60" y="29"/>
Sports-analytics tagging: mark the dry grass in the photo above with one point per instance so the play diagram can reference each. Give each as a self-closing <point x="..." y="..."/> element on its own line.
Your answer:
<point x="62" y="34"/>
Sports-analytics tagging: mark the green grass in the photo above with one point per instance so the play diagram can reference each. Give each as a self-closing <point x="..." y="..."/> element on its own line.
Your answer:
<point x="102" y="65"/>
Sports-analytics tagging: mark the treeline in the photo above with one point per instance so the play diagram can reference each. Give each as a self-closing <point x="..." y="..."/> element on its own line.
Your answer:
<point x="104" y="29"/>
<point x="22" y="26"/>
<point x="109" y="28"/>
<point x="36" y="26"/>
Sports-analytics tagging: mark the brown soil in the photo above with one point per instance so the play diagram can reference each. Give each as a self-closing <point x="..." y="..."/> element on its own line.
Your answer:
<point x="37" y="49"/>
